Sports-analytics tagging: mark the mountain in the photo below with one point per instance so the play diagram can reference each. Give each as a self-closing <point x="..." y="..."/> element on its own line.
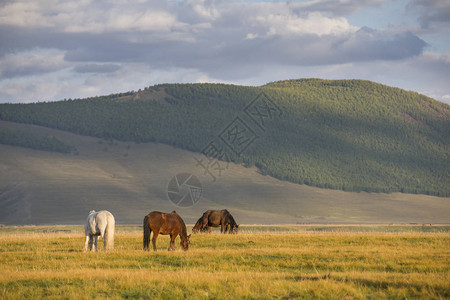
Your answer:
<point x="350" y="135"/>
<point x="304" y="150"/>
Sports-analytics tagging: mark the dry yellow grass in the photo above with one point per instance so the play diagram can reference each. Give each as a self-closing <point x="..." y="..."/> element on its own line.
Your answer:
<point x="257" y="265"/>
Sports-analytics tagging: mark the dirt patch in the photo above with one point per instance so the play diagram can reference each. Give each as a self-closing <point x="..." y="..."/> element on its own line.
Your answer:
<point x="437" y="109"/>
<point x="410" y="118"/>
<point x="158" y="94"/>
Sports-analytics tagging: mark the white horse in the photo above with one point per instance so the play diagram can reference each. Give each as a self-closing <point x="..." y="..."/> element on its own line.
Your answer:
<point x="99" y="223"/>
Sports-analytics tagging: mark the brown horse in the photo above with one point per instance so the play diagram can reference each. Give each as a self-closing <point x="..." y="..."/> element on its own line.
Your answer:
<point x="216" y="218"/>
<point x="199" y="226"/>
<point x="165" y="223"/>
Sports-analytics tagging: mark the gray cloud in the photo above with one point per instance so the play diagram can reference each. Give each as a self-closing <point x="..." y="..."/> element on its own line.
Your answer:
<point x="368" y="44"/>
<point x="97" y="68"/>
<point x="431" y="12"/>
<point x="334" y="7"/>
<point x="224" y="47"/>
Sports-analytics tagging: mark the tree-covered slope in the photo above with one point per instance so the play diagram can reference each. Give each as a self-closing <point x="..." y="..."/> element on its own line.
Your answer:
<point x="32" y="141"/>
<point x="344" y="134"/>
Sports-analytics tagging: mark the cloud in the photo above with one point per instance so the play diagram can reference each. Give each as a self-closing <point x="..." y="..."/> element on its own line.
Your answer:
<point x="26" y="92"/>
<point x="237" y="36"/>
<point x="19" y="65"/>
<point x="288" y="24"/>
<point x="431" y="12"/>
<point x="22" y="14"/>
<point x="369" y="44"/>
<point x="88" y="16"/>
<point x="231" y="41"/>
<point x="130" y="77"/>
<point x="97" y="68"/>
<point x="336" y="7"/>
<point x="203" y="8"/>
<point x="199" y="33"/>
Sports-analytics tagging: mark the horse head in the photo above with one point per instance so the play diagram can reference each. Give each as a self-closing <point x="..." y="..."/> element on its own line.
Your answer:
<point x="198" y="226"/>
<point x="185" y="243"/>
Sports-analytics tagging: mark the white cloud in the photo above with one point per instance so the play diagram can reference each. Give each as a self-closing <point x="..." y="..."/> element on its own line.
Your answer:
<point x="313" y="23"/>
<point x="26" y="64"/>
<point x="251" y="36"/>
<point x="23" y="14"/>
<point x="204" y="8"/>
<point x="119" y="20"/>
<point x="87" y="16"/>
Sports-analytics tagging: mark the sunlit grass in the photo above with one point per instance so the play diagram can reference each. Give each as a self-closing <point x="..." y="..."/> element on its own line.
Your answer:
<point x="252" y="264"/>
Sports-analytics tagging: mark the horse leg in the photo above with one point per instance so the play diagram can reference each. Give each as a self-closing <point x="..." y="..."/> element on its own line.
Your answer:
<point x="155" y="235"/>
<point x="86" y="243"/>
<point x="91" y="242"/>
<point x="104" y="241"/>
<point x="172" y="243"/>
<point x="95" y="243"/>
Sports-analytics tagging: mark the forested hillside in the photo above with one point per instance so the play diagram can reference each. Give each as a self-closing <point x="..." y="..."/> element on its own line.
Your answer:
<point x="351" y="135"/>
<point x="32" y="141"/>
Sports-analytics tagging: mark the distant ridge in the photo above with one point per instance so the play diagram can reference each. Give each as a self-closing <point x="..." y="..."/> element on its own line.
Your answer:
<point x="350" y="135"/>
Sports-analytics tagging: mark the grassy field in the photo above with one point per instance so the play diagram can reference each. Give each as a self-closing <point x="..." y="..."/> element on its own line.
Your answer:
<point x="284" y="262"/>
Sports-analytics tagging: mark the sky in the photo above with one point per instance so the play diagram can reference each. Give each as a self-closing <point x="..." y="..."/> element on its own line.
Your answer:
<point x="56" y="49"/>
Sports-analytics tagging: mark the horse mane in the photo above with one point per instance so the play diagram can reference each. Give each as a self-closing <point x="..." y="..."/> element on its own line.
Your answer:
<point x="230" y="218"/>
<point x="205" y="217"/>
<point x="183" y="227"/>
<point x="199" y="222"/>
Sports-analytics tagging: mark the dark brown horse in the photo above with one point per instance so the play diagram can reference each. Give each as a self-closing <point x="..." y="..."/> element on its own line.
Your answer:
<point x="216" y="218"/>
<point x="199" y="226"/>
<point x="165" y="223"/>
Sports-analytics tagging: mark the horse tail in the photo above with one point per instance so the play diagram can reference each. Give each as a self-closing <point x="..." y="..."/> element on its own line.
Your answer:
<point x="109" y="232"/>
<point x="147" y="232"/>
